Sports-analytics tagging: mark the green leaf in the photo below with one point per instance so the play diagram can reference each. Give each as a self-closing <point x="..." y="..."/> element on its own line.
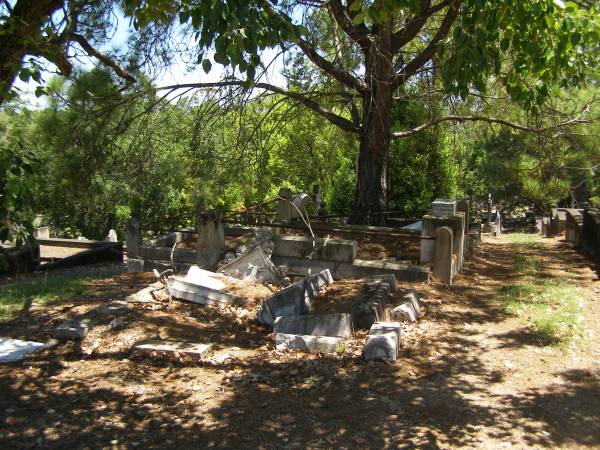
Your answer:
<point x="356" y="6"/>
<point x="206" y="65"/>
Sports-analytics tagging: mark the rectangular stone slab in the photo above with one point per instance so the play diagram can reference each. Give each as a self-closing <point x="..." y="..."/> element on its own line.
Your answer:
<point x="341" y="250"/>
<point x="14" y="350"/>
<point x="179" y="288"/>
<point x="293" y="300"/>
<point x="311" y="344"/>
<point x="381" y="347"/>
<point x="334" y="324"/>
<point x="170" y="347"/>
<point x="387" y="327"/>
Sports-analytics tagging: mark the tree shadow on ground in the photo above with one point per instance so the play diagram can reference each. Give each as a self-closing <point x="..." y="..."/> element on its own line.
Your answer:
<point x="436" y="396"/>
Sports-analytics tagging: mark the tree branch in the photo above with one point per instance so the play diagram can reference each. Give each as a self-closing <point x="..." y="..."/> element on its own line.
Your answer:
<point x="422" y="58"/>
<point x="358" y="33"/>
<point x="91" y="51"/>
<point x="335" y="119"/>
<point x="516" y="126"/>
<point x="335" y="71"/>
<point x="410" y="29"/>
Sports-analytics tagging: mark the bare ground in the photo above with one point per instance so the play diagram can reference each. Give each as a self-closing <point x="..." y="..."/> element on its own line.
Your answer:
<point x="470" y="375"/>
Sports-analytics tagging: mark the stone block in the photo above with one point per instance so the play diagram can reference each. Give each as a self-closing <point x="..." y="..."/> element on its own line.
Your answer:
<point x="293" y="300"/>
<point x="74" y="329"/>
<point x="342" y="250"/>
<point x="387" y="327"/>
<point x="443" y="208"/>
<point x="405" y="312"/>
<point x="381" y="347"/>
<point x="371" y="305"/>
<point x="14" y="350"/>
<point x="333" y="324"/>
<point x="135" y="265"/>
<point x="305" y="343"/>
<point x="388" y="279"/>
<point x="162" y="347"/>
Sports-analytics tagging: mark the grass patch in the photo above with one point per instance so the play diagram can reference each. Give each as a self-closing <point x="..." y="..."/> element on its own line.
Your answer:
<point x="521" y="238"/>
<point x="54" y="288"/>
<point x="552" y="308"/>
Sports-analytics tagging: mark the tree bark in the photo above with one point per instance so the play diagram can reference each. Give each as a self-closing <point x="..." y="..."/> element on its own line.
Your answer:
<point x="20" y="35"/>
<point x="372" y="169"/>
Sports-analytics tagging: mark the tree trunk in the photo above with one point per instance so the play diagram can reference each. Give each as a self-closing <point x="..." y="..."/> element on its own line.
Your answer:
<point x="372" y="170"/>
<point x="20" y="35"/>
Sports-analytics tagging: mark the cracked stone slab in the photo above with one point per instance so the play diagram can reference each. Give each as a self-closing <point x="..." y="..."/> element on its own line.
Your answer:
<point x="164" y="347"/>
<point x="305" y="343"/>
<point x="14" y="350"/>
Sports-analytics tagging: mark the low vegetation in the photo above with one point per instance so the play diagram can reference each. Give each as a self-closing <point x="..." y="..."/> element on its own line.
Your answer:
<point x="51" y="289"/>
<point x="550" y="304"/>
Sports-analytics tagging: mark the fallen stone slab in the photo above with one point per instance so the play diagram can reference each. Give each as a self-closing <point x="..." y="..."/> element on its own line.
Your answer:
<point x="305" y="343"/>
<point x="202" y="287"/>
<point x="381" y="347"/>
<point x="163" y="347"/>
<point x="333" y="324"/>
<point x="14" y="350"/>
<point x="146" y="295"/>
<point x="405" y="312"/>
<point x="252" y="266"/>
<point x="113" y="309"/>
<point x="73" y="329"/>
<point x="387" y="327"/>
<point x="294" y="300"/>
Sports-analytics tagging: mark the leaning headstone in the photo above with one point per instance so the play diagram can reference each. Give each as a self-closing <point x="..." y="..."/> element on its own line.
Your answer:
<point x="299" y="204"/>
<point x="294" y="300"/>
<point x="332" y="324"/>
<point x="14" y="350"/>
<point x="325" y="344"/>
<point x="405" y="312"/>
<point x="252" y="266"/>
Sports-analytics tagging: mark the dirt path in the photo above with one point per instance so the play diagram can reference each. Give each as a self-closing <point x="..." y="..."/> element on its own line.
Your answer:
<point x="470" y="376"/>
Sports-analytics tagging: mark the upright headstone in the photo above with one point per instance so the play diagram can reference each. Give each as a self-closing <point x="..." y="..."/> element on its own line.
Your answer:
<point x="442" y="258"/>
<point x="443" y="208"/>
<point x="317" y="199"/>
<point x="112" y="236"/>
<point x="284" y="205"/>
<point x="464" y="207"/>
<point x="133" y="238"/>
<point x="211" y="237"/>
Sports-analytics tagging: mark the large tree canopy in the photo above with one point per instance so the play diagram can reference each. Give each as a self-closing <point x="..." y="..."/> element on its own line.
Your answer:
<point x="372" y="51"/>
<point x="348" y="61"/>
